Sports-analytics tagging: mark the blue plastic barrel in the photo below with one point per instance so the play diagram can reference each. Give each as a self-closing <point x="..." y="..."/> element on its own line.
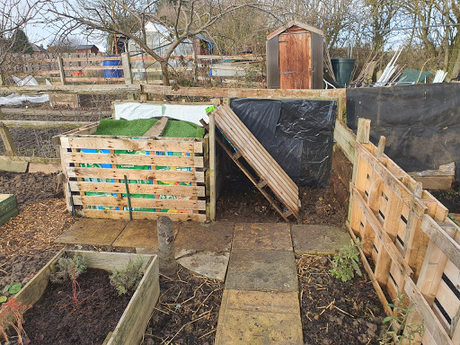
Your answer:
<point x="112" y="73"/>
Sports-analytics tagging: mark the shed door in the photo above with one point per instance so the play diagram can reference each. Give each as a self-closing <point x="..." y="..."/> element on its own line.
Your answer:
<point x="295" y="60"/>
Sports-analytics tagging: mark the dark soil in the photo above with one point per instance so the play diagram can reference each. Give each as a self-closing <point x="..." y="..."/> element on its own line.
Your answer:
<point x="449" y="198"/>
<point x="56" y="319"/>
<point x="336" y="312"/>
<point x="187" y="310"/>
<point x="240" y="201"/>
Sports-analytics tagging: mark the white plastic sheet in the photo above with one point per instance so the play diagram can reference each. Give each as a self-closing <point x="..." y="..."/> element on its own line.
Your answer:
<point x="133" y="111"/>
<point x="15" y="99"/>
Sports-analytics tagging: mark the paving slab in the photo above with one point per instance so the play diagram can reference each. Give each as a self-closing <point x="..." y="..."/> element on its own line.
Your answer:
<point x="141" y="234"/>
<point x="262" y="236"/>
<point x="209" y="264"/>
<point x="14" y="166"/>
<point x="213" y="237"/>
<point x="262" y="270"/>
<point x="318" y="239"/>
<point x="259" y="318"/>
<point x="93" y="232"/>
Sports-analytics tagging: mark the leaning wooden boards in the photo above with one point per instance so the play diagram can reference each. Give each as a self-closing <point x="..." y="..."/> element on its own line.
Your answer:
<point x="8" y="207"/>
<point x="268" y="170"/>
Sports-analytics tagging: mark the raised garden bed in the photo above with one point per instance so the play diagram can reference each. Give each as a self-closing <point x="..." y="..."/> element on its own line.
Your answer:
<point x="131" y="326"/>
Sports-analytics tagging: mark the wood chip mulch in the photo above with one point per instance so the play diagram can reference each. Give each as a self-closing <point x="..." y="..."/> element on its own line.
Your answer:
<point x="35" y="228"/>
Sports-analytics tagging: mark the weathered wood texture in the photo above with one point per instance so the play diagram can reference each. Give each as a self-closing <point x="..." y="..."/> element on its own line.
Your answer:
<point x="414" y="246"/>
<point x="132" y="324"/>
<point x="133" y="178"/>
<point x="295" y="60"/>
<point x="267" y="169"/>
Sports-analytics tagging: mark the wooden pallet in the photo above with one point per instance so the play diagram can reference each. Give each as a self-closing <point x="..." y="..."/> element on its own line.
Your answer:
<point x="269" y="177"/>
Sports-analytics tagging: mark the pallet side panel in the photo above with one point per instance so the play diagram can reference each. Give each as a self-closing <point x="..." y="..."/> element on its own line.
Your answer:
<point x="134" y="178"/>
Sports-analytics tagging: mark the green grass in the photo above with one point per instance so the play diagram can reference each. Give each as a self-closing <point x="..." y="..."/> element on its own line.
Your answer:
<point x="174" y="129"/>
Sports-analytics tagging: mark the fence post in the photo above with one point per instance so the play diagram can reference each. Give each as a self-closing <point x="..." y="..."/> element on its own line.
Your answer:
<point x="127" y="73"/>
<point x="6" y="138"/>
<point x="166" y="245"/>
<point x="61" y="69"/>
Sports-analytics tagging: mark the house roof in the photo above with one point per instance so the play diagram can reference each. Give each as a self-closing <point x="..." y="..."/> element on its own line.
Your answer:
<point x="37" y="49"/>
<point x="290" y="25"/>
<point x="85" y="46"/>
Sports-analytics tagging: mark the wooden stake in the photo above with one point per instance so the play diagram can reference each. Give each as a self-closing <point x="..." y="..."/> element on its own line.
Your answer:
<point x="166" y="246"/>
<point x="61" y="70"/>
<point x="212" y="167"/>
<point x="127" y="73"/>
<point x="6" y="138"/>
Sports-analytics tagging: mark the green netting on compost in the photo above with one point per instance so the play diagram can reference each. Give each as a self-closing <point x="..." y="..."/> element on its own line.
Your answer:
<point x="131" y="128"/>
<point x="183" y="129"/>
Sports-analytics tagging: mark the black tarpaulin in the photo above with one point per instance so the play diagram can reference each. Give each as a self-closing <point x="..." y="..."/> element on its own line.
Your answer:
<point x="421" y="122"/>
<point x="297" y="133"/>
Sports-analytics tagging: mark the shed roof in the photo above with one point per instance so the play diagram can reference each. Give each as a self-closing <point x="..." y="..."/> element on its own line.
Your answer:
<point x="290" y="25"/>
<point x="85" y="46"/>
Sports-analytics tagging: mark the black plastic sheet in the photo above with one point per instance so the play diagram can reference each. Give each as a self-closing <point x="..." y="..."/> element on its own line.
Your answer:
<point x="421" y="122"/>
<point x="297" y="133"/>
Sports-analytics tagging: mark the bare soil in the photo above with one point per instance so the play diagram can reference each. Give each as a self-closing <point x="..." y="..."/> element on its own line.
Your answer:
<point x="449" y="198"/>
<point x="56" y="319"/>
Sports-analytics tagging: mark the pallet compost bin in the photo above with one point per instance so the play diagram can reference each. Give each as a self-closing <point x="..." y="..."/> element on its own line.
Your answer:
<point x="121" y="177"/>
<point x="132" y="324"/>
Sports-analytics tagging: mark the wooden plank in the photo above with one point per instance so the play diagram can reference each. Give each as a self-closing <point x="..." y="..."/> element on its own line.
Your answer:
<point x="126" y="159"/>
<point x="33" y="290"/>
<point x="397" y="186"/>
<point x="431" y="322"/>
<point x="100" y="187"/>
<point x="112" y="214"/>
<point x="212" y="167"/>
<point x="440" y="179"/>
<point x="345" y="138"/>
<point x="7" y="203"/>
<point x="38" y="160"/>
<point x="6" y="138"/>
<point x="133" y="323"/>
<point x="134" y="174"/>
<point x="258" y="157"/>
<point x="176" y="204"/>
<point x="364" y="129"/>
<point x="8" y="215"/>
<point x="50" y="112"/>
<point x="104" y="89"/>
<point x="439" y="237"/>
<point x="395" y="255"/>
<point x="128" y="143"/>
<point x="157" y="129"/>
<point x="42" y="124"/>
<point x="251" y="148"/>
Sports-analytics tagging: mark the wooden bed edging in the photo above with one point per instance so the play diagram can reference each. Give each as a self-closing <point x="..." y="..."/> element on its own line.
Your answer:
<point x="132" y="324"/>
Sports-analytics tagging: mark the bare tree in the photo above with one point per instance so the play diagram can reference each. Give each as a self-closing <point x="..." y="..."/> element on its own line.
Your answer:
<point x="181" y="18"/>
<point x="14" y="15"/>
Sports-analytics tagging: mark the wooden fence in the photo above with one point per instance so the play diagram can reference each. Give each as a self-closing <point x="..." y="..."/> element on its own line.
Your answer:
<point x="410" y="245"/>
<point x="91" y="68"/>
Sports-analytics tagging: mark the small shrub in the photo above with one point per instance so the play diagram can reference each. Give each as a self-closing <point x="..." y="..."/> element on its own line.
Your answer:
<point x="128" y="279"/>
<point x="68" y="268"/>
<point x="12" y="315"/>
<point x="345" y="263"/>
<point x="403" y="332"/>
<point x="10" y="289"/>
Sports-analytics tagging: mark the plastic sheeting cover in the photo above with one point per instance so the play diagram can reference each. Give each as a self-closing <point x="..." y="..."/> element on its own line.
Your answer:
<point x="135" y="110"/>
<point x="421" y="122"/>
<point x="15" y="99"/>
<point x="297" y="133"/>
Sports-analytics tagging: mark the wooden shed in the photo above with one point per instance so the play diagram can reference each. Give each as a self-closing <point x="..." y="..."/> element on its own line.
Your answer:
<point x="295" y="57"/>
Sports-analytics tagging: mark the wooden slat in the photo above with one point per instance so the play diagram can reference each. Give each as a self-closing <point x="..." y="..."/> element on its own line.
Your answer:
<point x="192" y="191"/>
<point x="397" y="186"/>
<point x="122" y="159"/>
<point x="439" y="237"/>
<point x="157" y="129"/>
<point x="431" y="322"/>
<point x="126" y="143"/>
<point x="395" y="255"/>
<point x="42" y="124"/>
<point x="176" y="204"/>
<point x="134" y="174"/>
<point x="260" y="159"/>
<point x="111" y="214"/>
<point x="345" y="138"/>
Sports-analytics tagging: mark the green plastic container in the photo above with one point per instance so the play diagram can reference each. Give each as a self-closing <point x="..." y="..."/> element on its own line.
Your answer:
<point x="342" y="70"/>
